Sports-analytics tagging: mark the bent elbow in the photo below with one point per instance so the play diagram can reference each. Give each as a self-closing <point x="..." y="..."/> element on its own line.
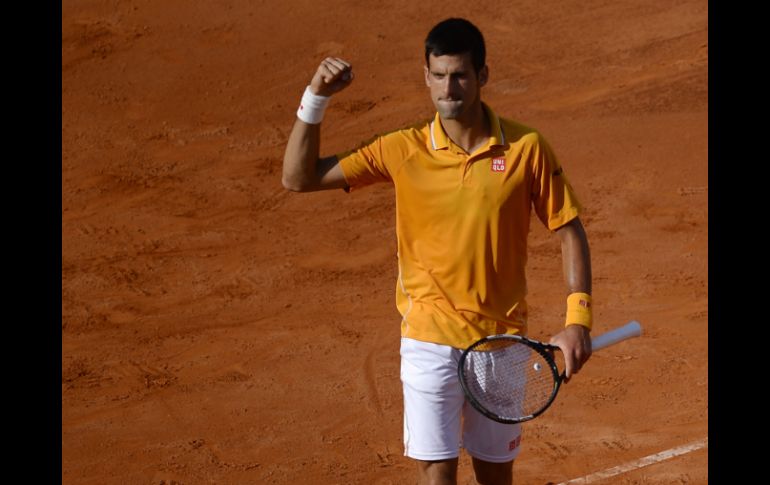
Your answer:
<point x="293" y="185"/>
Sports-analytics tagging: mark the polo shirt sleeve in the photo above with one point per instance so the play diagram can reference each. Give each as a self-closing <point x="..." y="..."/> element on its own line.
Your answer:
<point x="553" y="198"/>
<point x="366" y="164"/>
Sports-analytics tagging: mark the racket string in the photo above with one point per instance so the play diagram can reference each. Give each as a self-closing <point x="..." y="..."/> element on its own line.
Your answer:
<point x="509" y="379"/>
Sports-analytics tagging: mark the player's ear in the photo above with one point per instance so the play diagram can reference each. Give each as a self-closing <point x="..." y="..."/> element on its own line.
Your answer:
<point x="427" y="75"/>
<point x="483" y="75"/>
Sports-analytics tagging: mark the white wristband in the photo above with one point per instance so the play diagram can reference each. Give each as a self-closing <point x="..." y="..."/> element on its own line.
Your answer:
<point x="312" y="107"/>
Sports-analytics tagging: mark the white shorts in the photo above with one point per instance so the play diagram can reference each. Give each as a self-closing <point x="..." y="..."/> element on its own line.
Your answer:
<point x="437" y="418"/>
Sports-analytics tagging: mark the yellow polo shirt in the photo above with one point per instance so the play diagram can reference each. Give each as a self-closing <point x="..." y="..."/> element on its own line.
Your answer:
<point x="462" y="223"/>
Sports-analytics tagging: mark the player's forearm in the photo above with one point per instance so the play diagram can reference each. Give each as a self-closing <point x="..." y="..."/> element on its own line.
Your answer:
<point x="576" y="257"/>
<point x="302" y="169"/>
<point x="301" y="156"/>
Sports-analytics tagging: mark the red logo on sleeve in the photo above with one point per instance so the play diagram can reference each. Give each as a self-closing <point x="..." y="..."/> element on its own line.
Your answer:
<point x="498" y="164"/>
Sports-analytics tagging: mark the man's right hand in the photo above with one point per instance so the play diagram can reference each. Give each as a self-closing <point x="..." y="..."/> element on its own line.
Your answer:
<point x="332" y="76"/>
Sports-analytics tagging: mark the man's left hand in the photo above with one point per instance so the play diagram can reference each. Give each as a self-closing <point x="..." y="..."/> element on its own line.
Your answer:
<point x="575" y="343"/>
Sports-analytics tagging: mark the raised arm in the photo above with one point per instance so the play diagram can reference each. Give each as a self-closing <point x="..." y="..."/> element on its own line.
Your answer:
<point x="575" y="339"/>
<point x="303" y="170"/>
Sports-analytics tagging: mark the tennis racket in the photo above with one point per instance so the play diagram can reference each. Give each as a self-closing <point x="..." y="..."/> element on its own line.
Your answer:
<point x="512" y="379"/>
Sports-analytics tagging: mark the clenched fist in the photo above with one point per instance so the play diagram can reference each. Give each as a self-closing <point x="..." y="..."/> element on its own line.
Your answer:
<point x="332" y="76"/>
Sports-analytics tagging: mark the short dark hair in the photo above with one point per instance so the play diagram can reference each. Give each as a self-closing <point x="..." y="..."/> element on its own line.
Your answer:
<point x="456" y="36"/>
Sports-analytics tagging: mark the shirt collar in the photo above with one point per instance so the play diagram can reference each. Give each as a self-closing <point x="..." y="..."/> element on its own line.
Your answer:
<point x="439" y="139"/>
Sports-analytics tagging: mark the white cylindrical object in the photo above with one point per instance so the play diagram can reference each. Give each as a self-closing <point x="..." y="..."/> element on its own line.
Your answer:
<point x="629" y="330"/>
<point x="311" y="108"/>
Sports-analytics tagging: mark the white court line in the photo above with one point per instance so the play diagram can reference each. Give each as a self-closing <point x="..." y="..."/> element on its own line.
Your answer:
<point x="642" y="462"/>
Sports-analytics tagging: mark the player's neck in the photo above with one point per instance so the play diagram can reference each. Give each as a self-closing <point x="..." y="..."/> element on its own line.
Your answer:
<point x="469" y="132"/>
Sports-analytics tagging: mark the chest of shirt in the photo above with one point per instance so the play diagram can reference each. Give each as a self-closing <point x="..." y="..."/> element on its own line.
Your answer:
<point x="450" y="180"/>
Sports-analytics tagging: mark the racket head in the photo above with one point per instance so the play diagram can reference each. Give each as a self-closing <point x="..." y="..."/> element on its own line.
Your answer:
<point x="509" y="378"/>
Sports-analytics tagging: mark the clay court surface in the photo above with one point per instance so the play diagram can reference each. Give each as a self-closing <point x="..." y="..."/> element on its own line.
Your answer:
<point x="219" y="329"/>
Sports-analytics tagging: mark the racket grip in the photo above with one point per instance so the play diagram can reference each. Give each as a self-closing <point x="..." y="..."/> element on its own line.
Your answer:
<point x="629" y="330"/>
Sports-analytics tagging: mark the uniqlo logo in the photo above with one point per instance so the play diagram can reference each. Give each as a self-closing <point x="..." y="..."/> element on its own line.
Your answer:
<point x="498" y="164"/>
<point x="514" y="444"/>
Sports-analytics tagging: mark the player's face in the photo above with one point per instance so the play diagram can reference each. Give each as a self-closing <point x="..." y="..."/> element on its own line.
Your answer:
<point x="455" y="86"/>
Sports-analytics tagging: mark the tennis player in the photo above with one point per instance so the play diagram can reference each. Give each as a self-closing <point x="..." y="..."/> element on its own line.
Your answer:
<point x="465" y="183"/>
